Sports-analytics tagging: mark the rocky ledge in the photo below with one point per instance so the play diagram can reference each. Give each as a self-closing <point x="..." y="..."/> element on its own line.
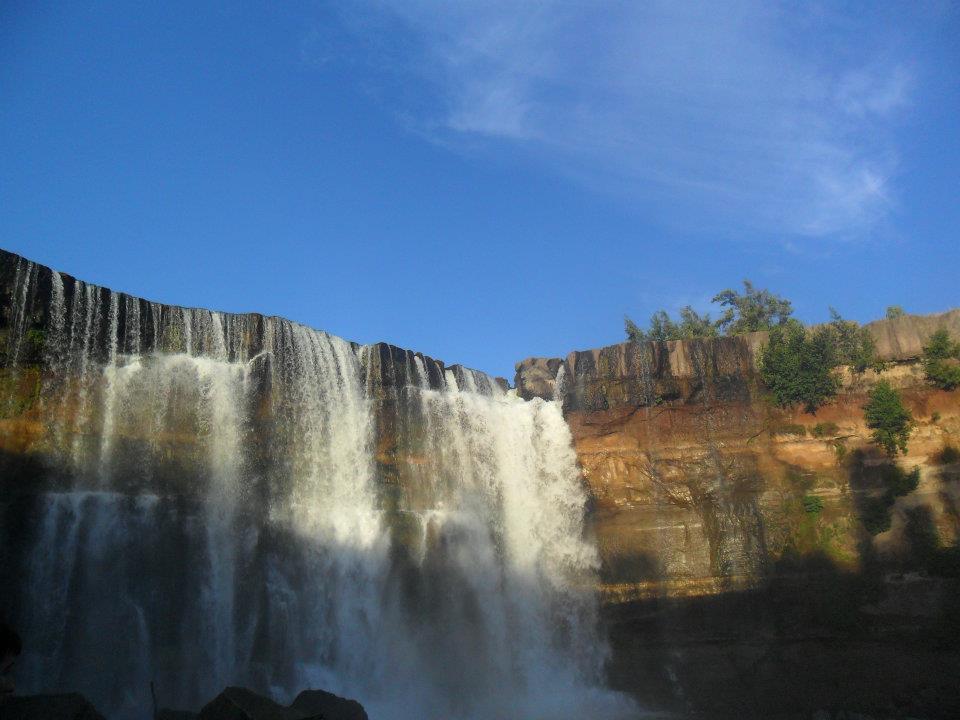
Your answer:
<point x="636" y="374"/>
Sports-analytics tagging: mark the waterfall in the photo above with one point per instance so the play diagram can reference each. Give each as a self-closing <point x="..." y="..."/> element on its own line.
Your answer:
<point x="560" y="384"/>
<point x="497" y="506"/>
<point x="223" y="499"/>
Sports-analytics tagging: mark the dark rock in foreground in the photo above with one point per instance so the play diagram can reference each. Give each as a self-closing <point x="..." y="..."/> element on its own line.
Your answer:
<point x="236" y="703"/>
<point x="72" y="706"/>
<point x="328" y="705"/>
<point x="242" y="704"/>
<point x="166" y="714"/>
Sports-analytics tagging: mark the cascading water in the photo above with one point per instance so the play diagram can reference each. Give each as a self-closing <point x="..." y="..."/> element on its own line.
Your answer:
<point x="219" y="499"/>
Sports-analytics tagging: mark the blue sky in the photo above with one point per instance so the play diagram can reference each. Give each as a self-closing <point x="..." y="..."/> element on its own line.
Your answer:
<point x="486" y="181"/>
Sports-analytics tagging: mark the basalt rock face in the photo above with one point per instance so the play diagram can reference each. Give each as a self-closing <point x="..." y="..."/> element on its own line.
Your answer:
<point x="640" y="374"/>
<point x="328" y="705"/>
<point x="692" y="465"/>
<point x="902" y="339"/>
<point x="737" y="535"/>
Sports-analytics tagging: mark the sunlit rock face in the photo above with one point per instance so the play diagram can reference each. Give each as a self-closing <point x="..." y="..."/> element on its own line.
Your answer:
<point x="200" y="499"/>
<point x="698" y="479"/>
<point x="738" y="574"/>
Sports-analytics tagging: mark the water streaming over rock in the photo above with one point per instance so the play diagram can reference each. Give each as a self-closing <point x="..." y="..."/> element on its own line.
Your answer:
<point x="200" y="499"/>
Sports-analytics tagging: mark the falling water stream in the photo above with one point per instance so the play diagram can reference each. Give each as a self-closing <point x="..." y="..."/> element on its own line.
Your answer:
<point x="239" y="500"/>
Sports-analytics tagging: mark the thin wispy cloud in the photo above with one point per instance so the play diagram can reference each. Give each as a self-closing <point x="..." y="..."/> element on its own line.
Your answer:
<point x="748" y="113"/>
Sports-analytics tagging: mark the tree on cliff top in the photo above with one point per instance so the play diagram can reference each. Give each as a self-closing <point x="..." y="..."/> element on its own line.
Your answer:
<point x="890" y="421"/>
<point x="755" y="309"/>
<point x="797" y="366"/>
<point x="634" y="332"/>
<point x="853" y="344"/>
<point x="662" y="327"/>
<point x="940" y="356"/>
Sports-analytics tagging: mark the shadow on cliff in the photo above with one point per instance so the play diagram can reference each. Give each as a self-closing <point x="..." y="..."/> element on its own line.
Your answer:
<point x="915" y="543"/>
<point x="807" y="638"/>
<point x="18" y="510"/>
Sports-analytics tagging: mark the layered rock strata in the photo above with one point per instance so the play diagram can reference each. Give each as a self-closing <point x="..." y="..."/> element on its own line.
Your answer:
<point x="697" y="477"/>
<point x="743" y="546"/>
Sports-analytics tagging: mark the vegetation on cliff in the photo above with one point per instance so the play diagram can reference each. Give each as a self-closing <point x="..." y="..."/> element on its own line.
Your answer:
<point x="940" y="360"/>
<point x="853" y="344"/>
<point x="662" y="327"/>
<point x="797" y="365"/>
<point x="889" y="420"/>
<point x="752" y="310"/>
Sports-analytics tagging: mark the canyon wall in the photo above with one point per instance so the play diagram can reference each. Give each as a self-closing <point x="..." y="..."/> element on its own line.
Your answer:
<point x="693" y="469"/>
<point x="738" y="559"/>
<point x="311" y="511"/>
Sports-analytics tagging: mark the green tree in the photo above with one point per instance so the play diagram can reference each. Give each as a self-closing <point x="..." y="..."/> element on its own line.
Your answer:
<point x="940" y="356"/>
<point x="797" y="366"/>
<point x="753" y="310"/>
<point x="853" y="344"/>
<point x="662" y="327"/>
<point x="894" y="312"/>
<point x="695" y="325"/>
<point x="634" y="332"/>
<point x="890" y="421"/>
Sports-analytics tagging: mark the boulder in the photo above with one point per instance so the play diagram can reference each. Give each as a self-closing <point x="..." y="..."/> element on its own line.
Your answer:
<point x="327" y="705"/>
<point x="536" y="377"/>
<point x="236" y="703"/>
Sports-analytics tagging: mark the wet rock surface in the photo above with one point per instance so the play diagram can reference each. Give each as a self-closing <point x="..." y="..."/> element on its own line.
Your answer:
<point x="536" y="377"/>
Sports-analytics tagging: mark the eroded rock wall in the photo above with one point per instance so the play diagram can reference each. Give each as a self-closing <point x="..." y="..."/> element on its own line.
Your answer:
<point x="699" y="481"/>
<point x="746" y="571"/>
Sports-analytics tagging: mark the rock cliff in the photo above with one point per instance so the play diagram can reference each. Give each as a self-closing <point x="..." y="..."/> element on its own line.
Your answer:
<point x="734" y="532"/>
<point x="34" y="363"/>
<point x="691" y="467"/>
<point x="748" y="568"/>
